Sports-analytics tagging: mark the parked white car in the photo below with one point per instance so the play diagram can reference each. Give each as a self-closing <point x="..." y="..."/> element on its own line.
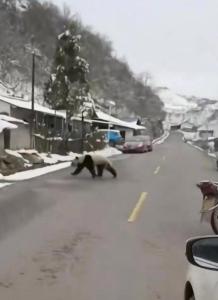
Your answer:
<point x="202" y="276"/>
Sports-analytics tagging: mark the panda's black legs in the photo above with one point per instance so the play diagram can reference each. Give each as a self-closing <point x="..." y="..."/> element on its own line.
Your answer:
<point x="80" y="167"/>
<point x="100" y="170"/>
<point x="111" y="170"/>
<point x="91" y="170"/>
<point x="78" y="170"/>
<point x="88" y="162"/>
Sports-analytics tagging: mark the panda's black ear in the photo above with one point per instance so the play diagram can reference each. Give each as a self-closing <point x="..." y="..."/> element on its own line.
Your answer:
<point x="77" y="157"/>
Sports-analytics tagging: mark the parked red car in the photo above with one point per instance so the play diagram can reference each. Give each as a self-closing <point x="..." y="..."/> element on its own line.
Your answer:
<point x="137" y="144"/>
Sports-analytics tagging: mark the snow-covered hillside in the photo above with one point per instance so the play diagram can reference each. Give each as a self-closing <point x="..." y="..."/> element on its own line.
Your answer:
<point x="175" y="106"/>
<point x="173" y="101"/>
<point x="189" y="112"/>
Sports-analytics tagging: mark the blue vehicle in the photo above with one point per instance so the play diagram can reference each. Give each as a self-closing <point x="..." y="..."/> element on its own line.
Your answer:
<point x="113" y="136"/>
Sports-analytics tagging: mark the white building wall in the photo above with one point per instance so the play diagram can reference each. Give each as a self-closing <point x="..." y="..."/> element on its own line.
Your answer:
<point x="4" y="107"/>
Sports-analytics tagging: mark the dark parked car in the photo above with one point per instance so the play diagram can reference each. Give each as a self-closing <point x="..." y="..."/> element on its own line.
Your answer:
<point x="137" y="144"/>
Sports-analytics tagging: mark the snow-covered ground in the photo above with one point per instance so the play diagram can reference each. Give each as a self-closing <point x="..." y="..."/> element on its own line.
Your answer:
<point x="196" y="147"/>
<point x="52" y="159"/>
<point x="161" y="139"/>
<point x="55" y="158"/>
<point x="107" y="152"/>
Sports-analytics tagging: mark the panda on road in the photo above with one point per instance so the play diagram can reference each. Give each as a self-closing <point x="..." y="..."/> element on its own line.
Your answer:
<point x="91" y="162"/>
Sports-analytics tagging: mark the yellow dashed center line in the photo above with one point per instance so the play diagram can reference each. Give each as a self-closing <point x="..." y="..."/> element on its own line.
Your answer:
<point x="137" y="208"/>
<point x="157" y="170"/>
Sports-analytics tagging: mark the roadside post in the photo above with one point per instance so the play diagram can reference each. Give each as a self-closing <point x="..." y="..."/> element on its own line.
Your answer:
<point x="83" y="133"/>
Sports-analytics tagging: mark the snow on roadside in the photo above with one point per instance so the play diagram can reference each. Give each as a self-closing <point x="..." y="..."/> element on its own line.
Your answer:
<point x="161" y="139"/>
<point x="53" y="159"/>
<point x="196" y="147"/>
<point x="13" y="153"/>
<point x="2" y="185"/>
<point x="18" y="155"/>
<point x="212" y="155"/>
<point x="25" y="175"/>
<point x="27" y="151"/>
<point x="107" y="152"/>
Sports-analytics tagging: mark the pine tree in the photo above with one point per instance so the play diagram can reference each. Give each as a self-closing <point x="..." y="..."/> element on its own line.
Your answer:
<point x="68" y="87"/>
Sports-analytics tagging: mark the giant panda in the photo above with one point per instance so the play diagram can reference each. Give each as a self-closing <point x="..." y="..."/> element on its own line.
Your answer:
<point x="92" y="161"/>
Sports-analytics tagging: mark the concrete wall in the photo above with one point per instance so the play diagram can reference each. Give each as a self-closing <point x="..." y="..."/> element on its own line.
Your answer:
<point x="1" y="142"/>
<point x="20" y="137"/>
<point x="4" y="107"/>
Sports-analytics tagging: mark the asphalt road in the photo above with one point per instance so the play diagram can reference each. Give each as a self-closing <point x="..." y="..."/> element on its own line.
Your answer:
<point x="64" y="237"/>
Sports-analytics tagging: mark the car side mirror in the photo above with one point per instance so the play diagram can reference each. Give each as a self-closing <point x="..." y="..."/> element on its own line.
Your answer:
<point x="203" y="252"/>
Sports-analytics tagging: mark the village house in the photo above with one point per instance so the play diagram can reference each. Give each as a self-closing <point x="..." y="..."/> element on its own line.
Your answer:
<point x="46" y="121"/>
<point x="49" y="125"/>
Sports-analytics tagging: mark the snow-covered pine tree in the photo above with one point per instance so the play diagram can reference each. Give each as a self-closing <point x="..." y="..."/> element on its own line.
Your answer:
<point x="68" y="88"/>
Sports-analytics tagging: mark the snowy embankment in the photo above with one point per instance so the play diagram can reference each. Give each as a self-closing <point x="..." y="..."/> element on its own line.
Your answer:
<point x="211" y="154"/>
<point x="196" y="147"/>
<point x="161" y="139"/>
<point x="57" y="162"/>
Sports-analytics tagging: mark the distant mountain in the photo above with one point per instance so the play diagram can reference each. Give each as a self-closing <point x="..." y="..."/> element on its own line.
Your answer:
<point x="174" y="101"/>
<point x="194" y="110"/>
<point x="201" y="101"/>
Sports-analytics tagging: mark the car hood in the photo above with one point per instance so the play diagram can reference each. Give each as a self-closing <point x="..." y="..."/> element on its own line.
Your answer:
<point x="133" y="143"/>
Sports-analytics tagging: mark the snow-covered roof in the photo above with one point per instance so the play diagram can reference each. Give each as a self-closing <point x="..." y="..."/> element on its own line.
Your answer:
<point x="79" y="118"/>
<point x="110" y="119"/>
<point x="11" y="119"/>
<point x="27" y="105"/>
<point x="4" y="125"/>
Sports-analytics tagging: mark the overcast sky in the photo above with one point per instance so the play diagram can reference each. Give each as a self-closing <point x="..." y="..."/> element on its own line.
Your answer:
<point x="175" y="40"/>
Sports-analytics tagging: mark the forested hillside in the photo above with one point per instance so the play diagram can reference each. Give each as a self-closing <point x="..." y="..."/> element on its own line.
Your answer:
<point x="25" y="23"/>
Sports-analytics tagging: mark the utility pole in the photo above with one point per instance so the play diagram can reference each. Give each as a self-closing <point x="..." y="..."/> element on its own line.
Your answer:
<point x="108" y="133"/>
<point x="111" y="104"/>
<point x="82" y="141"/>
<point x="35" y="53"/>
<point x="32" y="121"/>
